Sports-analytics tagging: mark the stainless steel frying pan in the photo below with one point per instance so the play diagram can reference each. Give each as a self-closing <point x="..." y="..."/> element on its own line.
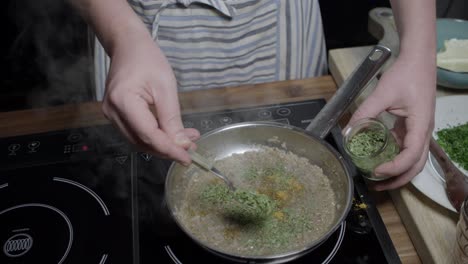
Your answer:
<point x="309" y="143"/>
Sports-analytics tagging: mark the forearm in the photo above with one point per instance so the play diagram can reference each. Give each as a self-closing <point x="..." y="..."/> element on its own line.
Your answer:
<point x="113" y="21"/>
<point x="415" y="21"/>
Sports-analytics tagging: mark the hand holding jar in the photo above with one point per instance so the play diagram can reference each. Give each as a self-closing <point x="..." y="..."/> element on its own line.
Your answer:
<point x="370" y="143"/>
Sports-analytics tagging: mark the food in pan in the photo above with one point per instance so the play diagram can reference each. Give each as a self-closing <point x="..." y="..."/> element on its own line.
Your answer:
<point x="293" y="204"/>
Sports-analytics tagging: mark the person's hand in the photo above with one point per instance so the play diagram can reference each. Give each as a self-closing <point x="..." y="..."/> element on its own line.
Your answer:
<point x="141" y="100"/>
<point x="406" y="90"/>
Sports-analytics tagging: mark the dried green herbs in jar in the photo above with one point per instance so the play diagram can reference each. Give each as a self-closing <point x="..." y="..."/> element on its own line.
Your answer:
<point x="369" y="143"/>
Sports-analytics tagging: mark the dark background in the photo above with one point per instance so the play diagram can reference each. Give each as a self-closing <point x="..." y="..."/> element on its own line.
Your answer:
<point x="46" y="58"/>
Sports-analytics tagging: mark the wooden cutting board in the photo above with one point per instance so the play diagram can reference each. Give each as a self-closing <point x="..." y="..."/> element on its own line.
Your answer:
<point x="430" y="226"/>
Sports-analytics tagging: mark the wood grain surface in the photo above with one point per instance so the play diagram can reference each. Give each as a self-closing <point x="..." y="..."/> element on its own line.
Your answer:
<point x="87" y="114"/>
<point x="70" y="116"/>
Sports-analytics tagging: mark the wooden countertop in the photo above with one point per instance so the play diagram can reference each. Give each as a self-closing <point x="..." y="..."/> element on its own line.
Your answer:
<point x="430" y="226"/>
<point x="86" y="114"/>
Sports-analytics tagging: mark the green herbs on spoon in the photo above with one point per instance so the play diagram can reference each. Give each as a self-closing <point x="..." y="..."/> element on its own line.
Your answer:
<point x="241" y="205"/>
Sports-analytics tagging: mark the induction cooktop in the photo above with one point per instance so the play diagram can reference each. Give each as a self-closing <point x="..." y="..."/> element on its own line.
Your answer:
<point x="87" y="196"/>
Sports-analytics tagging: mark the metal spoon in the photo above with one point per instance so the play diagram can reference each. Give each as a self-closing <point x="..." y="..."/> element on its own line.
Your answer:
<point x="207" y="164"/>
<point x="456" y="182"/>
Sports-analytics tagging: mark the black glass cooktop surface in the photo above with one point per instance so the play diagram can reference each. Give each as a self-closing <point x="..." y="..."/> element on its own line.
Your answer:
<point x="86" y="196"/>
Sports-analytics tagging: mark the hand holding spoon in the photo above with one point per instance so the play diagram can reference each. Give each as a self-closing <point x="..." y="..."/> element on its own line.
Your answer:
<point x="209" y="165"/>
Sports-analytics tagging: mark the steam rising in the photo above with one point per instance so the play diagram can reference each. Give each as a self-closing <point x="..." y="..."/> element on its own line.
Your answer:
<point x="49" y="55"/>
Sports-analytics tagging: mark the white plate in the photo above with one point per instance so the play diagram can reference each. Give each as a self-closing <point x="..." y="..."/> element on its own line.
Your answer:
<point x="450" y="111"/>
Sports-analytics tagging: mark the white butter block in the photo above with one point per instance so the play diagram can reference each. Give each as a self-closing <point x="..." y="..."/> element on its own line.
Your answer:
<point x="455" y="55"/>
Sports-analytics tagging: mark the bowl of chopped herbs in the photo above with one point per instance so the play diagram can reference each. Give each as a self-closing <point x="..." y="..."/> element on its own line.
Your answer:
<point x="451" y="129"/>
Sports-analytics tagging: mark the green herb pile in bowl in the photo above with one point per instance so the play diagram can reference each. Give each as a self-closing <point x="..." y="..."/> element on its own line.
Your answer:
<point x="454" y="140"/>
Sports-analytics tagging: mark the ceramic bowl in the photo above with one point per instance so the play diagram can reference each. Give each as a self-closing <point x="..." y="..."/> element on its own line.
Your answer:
<point x="448" y="28"/>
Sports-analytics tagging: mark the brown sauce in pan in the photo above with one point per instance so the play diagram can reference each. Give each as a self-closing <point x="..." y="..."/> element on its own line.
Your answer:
<point x="304" y="204"/>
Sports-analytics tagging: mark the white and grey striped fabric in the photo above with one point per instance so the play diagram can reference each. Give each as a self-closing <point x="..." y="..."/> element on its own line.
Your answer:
<point x="219" y="43"/>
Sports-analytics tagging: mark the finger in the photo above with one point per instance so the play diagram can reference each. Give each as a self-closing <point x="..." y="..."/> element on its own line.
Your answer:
<point x="374" y="104"/>
<point x="399" y="131"/>
<point x="168" y="112"/>
<point x="112" y="116"/>
<point x="413" y="146"/>
<point x="185" y="137"/>
<point x="396" y="182"/>
<point x="134" y="139"/>
<point x="192" y="133"/>
<point x="123" y="129"/>
<point x="137" y="115"/>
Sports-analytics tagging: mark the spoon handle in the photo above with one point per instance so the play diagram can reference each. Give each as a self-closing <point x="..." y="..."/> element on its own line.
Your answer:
<point x="201" y="160"/>
<point x="208" y="165"/>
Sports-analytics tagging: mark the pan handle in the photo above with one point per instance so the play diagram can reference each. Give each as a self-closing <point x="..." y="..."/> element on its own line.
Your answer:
<point x="327" y="118"/>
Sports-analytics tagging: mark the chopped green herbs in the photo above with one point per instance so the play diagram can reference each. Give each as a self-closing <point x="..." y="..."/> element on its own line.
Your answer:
<point x="282" y="203"/>
<point x="277" y="232"/>
<point x="370" y="148"/>
<point x="366" y="143"/>
<point x="263" y="211"/>
<point x="454" y="141"/>
<point x="241" y="205"/>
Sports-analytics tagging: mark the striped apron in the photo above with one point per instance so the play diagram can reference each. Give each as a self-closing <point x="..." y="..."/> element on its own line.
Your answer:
<point x="219" y="43"/>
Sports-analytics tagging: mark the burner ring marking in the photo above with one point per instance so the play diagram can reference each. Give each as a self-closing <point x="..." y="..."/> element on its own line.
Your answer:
<point x="18" y="245"/>
<point x="70" y="228"/>
<point x="81" y="186"/>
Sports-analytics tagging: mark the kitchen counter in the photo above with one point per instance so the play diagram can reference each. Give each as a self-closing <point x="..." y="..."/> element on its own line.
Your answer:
<point x="87" y="114"/>
<point x="430" y="226"/>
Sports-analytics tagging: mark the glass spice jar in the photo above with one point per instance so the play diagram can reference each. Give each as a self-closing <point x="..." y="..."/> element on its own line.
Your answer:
<point x="369" y="143"/>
